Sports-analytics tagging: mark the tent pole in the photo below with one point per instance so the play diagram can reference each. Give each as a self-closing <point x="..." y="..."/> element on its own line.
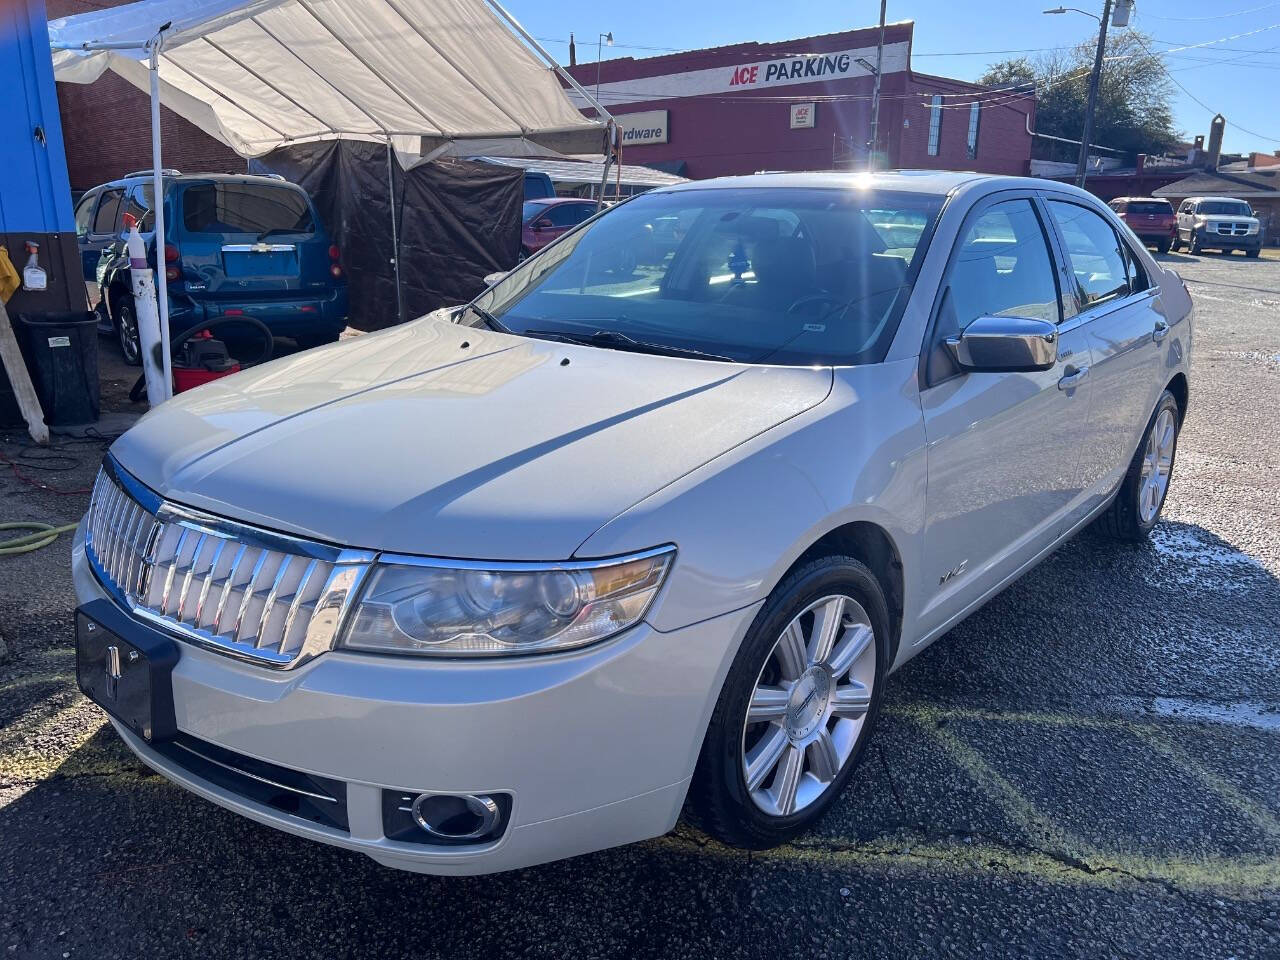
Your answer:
<point x="157" y="200"/>
<point x="395" y="235"/>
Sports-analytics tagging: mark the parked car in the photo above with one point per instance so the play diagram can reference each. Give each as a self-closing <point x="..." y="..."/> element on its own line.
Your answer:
<point x="508" y="583"/>
<point x="1152" y="220"/>
<point x="235" y="245"/>
<point x="537" y="185"/>
<point x="546" y="220"/>
<point x="1217" y="223"/>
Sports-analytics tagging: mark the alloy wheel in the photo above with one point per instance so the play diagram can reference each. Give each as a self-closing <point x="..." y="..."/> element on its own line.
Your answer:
<point x="1157" y="465"/>
<point x="809" y="705"/>
<point x="127" y="330"/>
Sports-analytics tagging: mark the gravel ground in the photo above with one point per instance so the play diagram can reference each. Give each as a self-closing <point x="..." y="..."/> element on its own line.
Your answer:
<point x="1089" y="766"/>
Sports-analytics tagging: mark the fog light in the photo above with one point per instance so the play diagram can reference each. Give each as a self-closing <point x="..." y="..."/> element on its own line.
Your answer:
<point x="456" y="816"/>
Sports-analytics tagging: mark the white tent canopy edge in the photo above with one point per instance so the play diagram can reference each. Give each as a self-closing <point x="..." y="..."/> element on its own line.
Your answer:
<point x="418" y="75"/>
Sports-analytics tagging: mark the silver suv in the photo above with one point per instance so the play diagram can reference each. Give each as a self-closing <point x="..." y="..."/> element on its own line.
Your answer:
<point x="1217" y="223"/>
<point x="646" y="520"/>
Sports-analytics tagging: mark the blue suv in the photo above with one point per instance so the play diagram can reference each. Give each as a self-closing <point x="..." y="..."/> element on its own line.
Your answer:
<point x="235" y="246"/>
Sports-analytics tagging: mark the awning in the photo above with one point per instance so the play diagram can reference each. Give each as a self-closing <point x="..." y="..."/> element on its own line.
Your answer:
<point x="259" y="74"/>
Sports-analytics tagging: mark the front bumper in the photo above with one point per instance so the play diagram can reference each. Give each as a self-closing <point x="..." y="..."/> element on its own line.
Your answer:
<point x="595" y="748"/>
<point x="1215" y="241"/>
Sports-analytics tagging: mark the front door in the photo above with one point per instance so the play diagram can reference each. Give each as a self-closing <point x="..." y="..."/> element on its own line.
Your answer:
<point x="1119" y="311"/>
<point x="1002" y="447"/>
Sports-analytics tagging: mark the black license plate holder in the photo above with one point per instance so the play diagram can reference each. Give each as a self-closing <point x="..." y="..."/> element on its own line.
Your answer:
<point x="129" y="678"/>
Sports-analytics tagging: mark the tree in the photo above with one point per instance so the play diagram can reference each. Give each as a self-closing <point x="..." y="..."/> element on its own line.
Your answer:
<point x="1134" y="113"/>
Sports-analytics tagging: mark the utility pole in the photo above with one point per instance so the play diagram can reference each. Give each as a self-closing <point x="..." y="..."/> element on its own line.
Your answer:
<point x="1095" y="80"/>
<point x="875" y="94"/>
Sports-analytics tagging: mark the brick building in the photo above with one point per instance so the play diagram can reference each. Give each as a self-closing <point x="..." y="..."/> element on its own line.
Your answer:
<point x="107" y="125"/>
<point x="805" y="104"/>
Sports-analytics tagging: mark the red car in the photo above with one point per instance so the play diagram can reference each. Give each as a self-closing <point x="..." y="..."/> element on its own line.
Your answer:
<point x="544" y="220"/>
<point x="1152" y="220"/>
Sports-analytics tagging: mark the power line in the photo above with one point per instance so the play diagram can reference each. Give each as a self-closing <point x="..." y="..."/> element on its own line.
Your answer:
<point x="1220" y="16"/>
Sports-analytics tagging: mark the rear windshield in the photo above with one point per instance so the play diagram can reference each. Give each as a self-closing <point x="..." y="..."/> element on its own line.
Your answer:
<point x="1148" y="206"/>
<point x="1232" y="208"/>
<point x="759" y="275"/>
<point x="257" y="208"/>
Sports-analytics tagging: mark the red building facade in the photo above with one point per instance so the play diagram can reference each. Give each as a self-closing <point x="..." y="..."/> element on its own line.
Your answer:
<point x="805" y="104"/>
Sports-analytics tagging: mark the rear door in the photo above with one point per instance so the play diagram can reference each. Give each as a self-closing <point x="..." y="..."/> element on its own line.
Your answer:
<point x="1003" y="448"/>
<point x="104" y="226"/>
<point x="250" y="241"/>
<point x="1117" y="305"/>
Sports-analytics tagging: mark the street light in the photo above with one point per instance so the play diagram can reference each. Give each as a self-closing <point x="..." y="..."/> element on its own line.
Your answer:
<point x="1095" y="78"/>
<point x="604" y="38"/>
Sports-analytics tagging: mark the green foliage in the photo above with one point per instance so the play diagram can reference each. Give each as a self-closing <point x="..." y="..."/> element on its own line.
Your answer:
<point x="1134" y="111"/>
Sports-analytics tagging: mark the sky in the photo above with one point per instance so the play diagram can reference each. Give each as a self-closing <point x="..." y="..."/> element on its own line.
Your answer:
<point x="1238" y="77"/>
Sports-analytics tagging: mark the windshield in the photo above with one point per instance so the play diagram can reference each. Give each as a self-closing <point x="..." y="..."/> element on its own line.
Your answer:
<point x="759" y="275"/>
<point x="258" y="208"/>
<point x="1231" y="208"/>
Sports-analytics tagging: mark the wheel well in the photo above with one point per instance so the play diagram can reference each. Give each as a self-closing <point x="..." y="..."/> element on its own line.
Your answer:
<point x="869" y="543"/>
<point x="1178" y="387"/>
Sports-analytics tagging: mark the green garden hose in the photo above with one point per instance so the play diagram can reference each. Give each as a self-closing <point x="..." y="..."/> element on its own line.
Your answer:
<point x="45" y="534"/>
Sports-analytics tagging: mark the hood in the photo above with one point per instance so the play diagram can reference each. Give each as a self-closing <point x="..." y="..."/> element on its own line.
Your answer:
<point x="409" y="441"/>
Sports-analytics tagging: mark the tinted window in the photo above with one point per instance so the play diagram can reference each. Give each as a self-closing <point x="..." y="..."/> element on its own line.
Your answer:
<point x="1231" y="208"/>
<point x="256" y="208"/>
<point x="138" y="204"/>
<point x="791" y="276"/>
<point x="108" y="212"/>
<point x="1095" y="253"/>
<point x="1002" y="268"/>
<point x="1149" y="206"/>
<point x="570" y="214"/>
<point x="84" y="214"/>
<point x="531" y="210"/>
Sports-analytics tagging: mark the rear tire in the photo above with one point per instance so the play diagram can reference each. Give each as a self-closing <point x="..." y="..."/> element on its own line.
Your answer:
<point x="813" y="711"/>
<point x="1136" y="509"/>
<point x="126" y="324"/>
<point x="1162" y="246"/>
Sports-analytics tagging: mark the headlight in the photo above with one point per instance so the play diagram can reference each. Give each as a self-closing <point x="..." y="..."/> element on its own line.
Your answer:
<point x="435" y="608"/>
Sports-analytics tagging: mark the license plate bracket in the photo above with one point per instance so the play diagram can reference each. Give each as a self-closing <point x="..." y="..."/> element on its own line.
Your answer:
<point x="129" y="678"/>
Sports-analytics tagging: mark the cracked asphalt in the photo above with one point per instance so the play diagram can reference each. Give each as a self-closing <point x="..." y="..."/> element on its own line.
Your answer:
<point x="1089" y="766"/>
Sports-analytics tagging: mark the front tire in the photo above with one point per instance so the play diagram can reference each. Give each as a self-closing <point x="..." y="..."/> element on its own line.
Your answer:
<point x="1194" y="245"/>
<point x="1136" y="509"/>
<point x="797" y="708"/>
<point x="1253" y="254"/>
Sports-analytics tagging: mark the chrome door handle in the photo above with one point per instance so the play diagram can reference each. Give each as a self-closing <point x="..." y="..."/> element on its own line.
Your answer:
<point x="1160" y="332"/>
<point x="1073" y="379"/>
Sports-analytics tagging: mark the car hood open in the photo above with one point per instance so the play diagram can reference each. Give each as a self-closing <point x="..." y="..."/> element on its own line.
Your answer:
<point x="451" y="441"/>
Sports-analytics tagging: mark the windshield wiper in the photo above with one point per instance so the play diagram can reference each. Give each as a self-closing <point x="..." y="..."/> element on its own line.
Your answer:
<point x="489" y="320"/>
<point x="614" y="340"/>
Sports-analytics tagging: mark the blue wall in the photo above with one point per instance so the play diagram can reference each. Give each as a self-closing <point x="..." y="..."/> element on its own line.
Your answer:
<point x="35" y="194"/>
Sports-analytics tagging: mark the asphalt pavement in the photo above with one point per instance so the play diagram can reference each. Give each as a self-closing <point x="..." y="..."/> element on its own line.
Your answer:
<point x="1089" y="766"/>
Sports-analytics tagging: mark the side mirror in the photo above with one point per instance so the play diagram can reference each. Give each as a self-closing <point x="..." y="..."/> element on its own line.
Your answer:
<point x="1006" y="345"/>
<point x="491" y="278"/>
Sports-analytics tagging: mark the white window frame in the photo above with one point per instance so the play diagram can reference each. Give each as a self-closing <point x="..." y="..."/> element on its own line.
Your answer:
<point x="935" y="124"/>
<point x="975" y="110"/>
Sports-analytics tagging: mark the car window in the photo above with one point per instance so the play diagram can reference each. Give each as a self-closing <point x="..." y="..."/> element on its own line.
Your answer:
<point x="1094" y="251"/>
<point x="1136" y="273"/>
<point x="257" y="208"/>
<point x="1002" y="268"/>
<point x="137" y="203"/>
<point x="569" y="214"/>
<point x="759" y="275"/>
<point x="1149" y="206"/>
<point x="84" y="214"/>
<point x="1229" y="208"/>
<point x="108" y="214"/>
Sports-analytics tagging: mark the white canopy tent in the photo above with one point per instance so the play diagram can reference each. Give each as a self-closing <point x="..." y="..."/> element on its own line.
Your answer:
<point x="419" y="75"/>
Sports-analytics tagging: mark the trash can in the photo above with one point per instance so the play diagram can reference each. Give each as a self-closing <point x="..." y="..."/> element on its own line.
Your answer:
<point x="62" y="354"/>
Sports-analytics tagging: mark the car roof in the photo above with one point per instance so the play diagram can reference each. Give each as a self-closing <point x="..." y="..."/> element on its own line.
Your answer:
<point x="934" y="182"/>
<point x="1141" y="199"/>
<point x="1229" y="199"/>
<point x="552" y="201"/>
<point x="171" y="177"/>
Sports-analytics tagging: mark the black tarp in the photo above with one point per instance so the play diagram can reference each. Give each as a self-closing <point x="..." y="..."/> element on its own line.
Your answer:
<point x="457" y="221"/>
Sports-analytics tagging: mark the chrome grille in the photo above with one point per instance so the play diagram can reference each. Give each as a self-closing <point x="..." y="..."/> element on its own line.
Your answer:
<point x="1233" y="229"/>
<point x="246" y="592"/>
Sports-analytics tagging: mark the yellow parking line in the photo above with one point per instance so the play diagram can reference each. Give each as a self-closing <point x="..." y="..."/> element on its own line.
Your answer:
<point x="1261" y="817"/>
